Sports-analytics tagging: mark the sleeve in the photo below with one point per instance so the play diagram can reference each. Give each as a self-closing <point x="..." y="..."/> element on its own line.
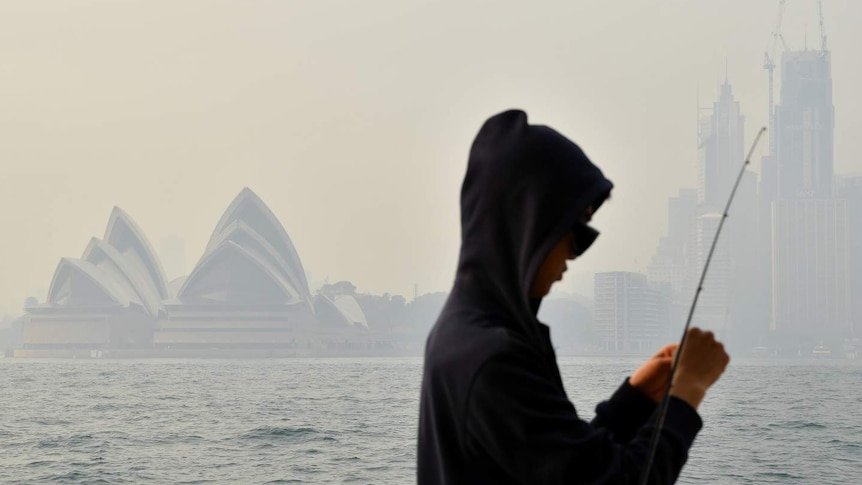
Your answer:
<point x="524" y="424"/>
<point x="626" y="411"/>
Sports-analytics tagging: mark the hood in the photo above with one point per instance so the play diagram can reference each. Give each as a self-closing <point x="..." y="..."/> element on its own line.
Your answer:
<point x="525" y="188"/>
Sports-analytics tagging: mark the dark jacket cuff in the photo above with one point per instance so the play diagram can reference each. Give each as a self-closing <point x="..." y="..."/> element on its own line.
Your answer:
<point x="631" y="406"/>
<point x="683" y="419"/>
<point x="627" y="410"/>
<point x="637" y="398"/>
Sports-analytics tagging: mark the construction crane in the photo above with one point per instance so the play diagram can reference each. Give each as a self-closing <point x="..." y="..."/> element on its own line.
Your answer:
<point x="769" y="65"/>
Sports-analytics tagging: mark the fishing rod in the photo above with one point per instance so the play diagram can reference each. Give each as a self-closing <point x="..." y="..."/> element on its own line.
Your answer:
<point x="662" y="411"/>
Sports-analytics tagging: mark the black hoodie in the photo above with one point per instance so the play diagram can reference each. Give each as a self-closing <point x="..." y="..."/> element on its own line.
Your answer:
<point x="493" y="407"/>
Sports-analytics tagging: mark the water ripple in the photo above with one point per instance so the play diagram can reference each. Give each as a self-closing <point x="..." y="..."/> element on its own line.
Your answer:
<point x="354" y="420"/>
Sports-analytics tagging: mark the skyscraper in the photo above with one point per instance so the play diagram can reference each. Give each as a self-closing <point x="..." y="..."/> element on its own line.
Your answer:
<point x="810" y="228"/>
<point x="811" y="267"/>
<point x="720" y="140"/>
<point x="721" y="155"/>
<point x="631" y="314"/>
<point x="675" y="257"/>
<point x="804" y="125"/>
<point x="850" y="188"/>
<point x="750" y="305"/>
<point x="730" y="290"/>
<point x="714" y="308"/>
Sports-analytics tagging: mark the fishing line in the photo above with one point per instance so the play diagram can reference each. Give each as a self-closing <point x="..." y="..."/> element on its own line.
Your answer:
<point x="662" y="411"/>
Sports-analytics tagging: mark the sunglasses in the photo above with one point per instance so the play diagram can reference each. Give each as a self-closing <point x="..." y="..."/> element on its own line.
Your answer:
<point x="583" y="237"/>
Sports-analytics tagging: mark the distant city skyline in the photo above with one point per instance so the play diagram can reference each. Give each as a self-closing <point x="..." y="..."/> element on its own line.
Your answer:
<point x="786" y="266"/>
<point x="355" y="127"/>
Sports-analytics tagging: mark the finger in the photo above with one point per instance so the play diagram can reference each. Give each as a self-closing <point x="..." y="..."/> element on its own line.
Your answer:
<point x="659" y="368"/>
<point x="667" y="350"/>
<point x="670" y="349"/>
<point x="665" y="363"/>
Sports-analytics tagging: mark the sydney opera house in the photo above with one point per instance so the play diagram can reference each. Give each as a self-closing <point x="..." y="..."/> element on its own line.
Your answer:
<point x="247" y="295"/>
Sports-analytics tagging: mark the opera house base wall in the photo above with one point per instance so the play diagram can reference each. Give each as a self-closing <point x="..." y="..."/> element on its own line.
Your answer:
<point x="159" y="354"/>
<point x="68" y="331"/>
<point x="218" y="339"/>
<point x="291" y="328"/>
<point x="358" y="350"/>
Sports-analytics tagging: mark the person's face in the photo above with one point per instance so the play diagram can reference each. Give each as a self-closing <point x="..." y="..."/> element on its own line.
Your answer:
<point x="554" y="266"/>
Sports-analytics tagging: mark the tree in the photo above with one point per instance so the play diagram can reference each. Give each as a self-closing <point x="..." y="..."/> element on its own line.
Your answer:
<point x="423" y="311"/>
<point x="340" y="288"/>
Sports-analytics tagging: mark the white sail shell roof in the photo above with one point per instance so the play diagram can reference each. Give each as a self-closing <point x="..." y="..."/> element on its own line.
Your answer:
<point x="350" y="309"/>
<point x="81" y="284"/>
<point x="249" y="260"/>
<point x="341" y="311"/>
<point x="108" y="260"/>
<point x="121" y="270"/>
<point x="244" y="236"/>
<point x="249" y="210"/>
<point x="126" y="237"/>
<point x="233" y="275"/>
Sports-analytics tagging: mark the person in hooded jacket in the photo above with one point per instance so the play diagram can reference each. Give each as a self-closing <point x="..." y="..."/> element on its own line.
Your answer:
<point x="493" y="409"/>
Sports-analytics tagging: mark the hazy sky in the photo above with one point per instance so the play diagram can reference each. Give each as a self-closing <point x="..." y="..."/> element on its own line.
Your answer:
<point x="353" y="120"/>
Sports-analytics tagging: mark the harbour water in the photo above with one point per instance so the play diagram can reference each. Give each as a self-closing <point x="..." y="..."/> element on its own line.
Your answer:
<point x="354" y="420"/>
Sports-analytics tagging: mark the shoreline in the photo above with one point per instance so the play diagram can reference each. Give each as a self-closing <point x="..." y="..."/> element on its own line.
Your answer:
<point x="262" y="354"/>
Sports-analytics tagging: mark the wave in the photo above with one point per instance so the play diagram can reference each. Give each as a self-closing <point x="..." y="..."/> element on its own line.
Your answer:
<point x="798" y="425"/>
<point x="844" y="444"/>
<point x="286" y="433"/>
